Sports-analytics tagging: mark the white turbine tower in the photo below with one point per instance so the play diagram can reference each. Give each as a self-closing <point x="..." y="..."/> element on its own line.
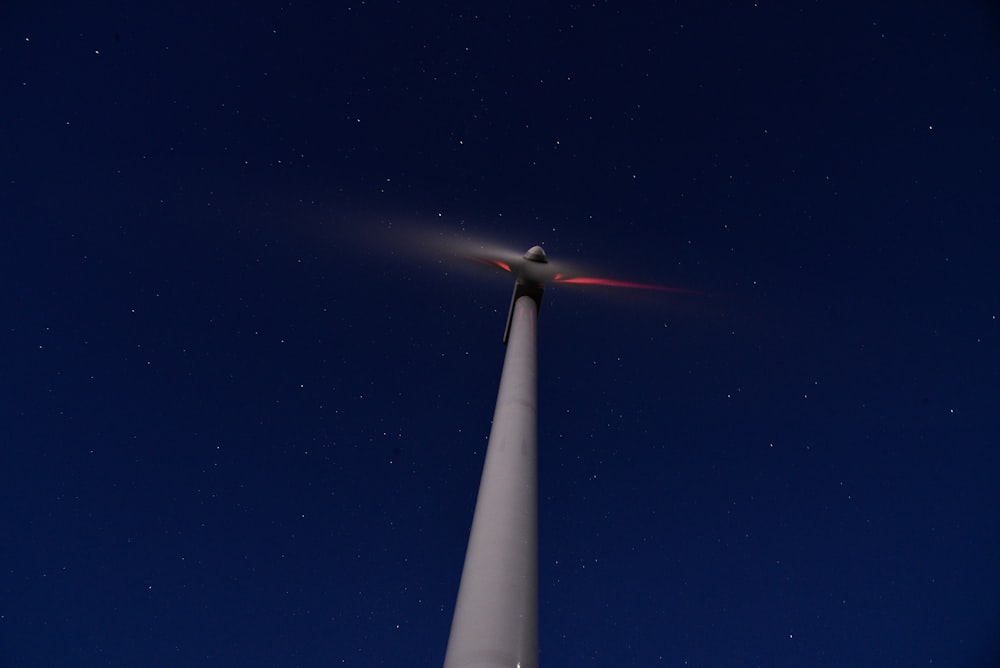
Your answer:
<point x="495" y="624"/>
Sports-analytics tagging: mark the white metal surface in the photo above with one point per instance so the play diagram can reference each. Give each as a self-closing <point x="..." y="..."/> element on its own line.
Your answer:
<point x="496" y="614"/>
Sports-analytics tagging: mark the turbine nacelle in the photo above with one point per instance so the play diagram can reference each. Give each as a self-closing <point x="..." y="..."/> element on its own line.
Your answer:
<point x="533" y="268"/>
<point x="536" y="254"/>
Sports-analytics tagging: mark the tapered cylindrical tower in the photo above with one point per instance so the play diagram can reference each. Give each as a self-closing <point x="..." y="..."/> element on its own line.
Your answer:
<point x="496" y="614"/>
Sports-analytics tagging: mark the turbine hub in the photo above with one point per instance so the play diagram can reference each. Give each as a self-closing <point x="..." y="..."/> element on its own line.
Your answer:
<point x="536" y="254"/>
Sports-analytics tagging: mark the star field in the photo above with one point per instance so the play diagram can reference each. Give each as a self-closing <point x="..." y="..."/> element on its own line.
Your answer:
<point x="244" y="425"/>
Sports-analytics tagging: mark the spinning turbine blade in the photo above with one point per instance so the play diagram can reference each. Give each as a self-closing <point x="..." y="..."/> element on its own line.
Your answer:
<point x="494" y="262"/>
<point x="457" y="250"/>
<point x="613" y="283"/>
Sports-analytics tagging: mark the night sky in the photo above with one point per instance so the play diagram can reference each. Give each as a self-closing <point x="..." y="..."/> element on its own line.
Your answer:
<point x="242" y="424"/>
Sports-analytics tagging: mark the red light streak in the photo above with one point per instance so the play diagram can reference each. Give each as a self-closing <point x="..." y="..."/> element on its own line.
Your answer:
<point x="610" y="282"/>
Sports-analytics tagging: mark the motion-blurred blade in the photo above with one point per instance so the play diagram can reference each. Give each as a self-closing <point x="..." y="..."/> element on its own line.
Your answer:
<point x="499" y="263"/>
<point x="613" y="283"/>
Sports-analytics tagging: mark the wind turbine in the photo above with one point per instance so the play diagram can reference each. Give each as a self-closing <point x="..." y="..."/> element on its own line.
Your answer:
<point x="495" y="623"/>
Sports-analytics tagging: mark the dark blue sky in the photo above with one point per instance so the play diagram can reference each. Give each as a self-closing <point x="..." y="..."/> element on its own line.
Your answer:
<point x="235" y="435"/>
